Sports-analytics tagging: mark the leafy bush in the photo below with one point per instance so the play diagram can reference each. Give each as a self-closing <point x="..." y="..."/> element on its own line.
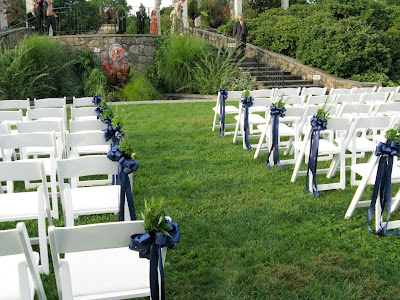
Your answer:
<point x="175" y="60"/>
<point x="95" y="83"/>
<point x="165" y="21"/>
<point x="242" y="81"/>
<point x="215" y="12"/>
<point x="139" y="89"/>
<point x="213" y="70"/>
<point x="374" y="77"/>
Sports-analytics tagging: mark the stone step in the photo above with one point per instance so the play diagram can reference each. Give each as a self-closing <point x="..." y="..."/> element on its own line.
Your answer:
<point x="260" y="69"/>
<point x="271" y="77"/>
<point x="286" y="83"/>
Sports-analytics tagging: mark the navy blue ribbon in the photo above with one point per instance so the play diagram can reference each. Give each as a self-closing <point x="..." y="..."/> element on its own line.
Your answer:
<point x="113" y="133"/>
<point x="223" y="96"/>
<point x="275" y="112"/>
<point x="149" y="246"/>
<point x="317" y="125"/>
<point x="246" y="104"/>
<point x="383" y="185"/>
<point x="126" y="166"/>
<point x="96" y="100"/>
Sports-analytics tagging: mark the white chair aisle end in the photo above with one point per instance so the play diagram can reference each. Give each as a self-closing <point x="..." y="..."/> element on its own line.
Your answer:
<point x="229" y="110"/>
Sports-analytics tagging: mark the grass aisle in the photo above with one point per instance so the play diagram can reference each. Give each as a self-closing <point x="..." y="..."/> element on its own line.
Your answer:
<point x="248" y="232"/>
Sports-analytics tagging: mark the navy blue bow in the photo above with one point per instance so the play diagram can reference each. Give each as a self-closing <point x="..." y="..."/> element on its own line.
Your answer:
<point x="246" y="104"/>
<point x="317" y="124"/>
<point x="149" y="246"/>
<point x="275" y="112"/>
<point x="383" y="185"/>
<point x="96" y="100"/>
<point x="126" y="166"/>
<point x="223" y="96"/>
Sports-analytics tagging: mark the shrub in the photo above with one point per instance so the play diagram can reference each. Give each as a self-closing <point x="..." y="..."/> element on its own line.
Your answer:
<point x="215" y="12"/>
<point x="165" y="21"/>
<point x="175" y="61"/>
<point x="95" y="83"/>
<point x="139" y="89"/>
<point x="241" y="82"/>
<point x="374" y="77"/>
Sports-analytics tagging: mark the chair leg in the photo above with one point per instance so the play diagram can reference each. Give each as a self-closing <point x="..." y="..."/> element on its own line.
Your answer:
<point x="262" y="137"/>
<point x="236" y="130"/>
<point x="44" y="259"/>
<point x="215" y="120"/>
<point x="357" y="196"/>
<point x="297" y="166"/>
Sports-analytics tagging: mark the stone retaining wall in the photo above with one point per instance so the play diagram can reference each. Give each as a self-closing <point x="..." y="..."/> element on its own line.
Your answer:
<point x="9" y="38"/>
<point x="288" y="64"/>
<point x="139" y="49"/>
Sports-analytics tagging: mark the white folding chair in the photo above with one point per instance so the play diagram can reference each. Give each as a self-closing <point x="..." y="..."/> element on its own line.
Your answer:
<point x="85" y="125"/>
<point x="375" y="98"/>
<point x="19" y="272"/>
<point x="387" y="109"/>
<point x="11" y="117"/>
<point x="320" y="100"/>
<point x="363" y="90"/>
<point x="27" y="143"/>
<point x="313" y="91"/>
<point x="349" y="98"/>
<point x="48" y="114"/>
<point x="287" y="92"/>
<point x="44" y="126"/>
<point x="82" y="102"/>
<point x="14" y="104"/>
<point x="86" y="142"/>
<point x="263" y="93"/>
<point x="352" y="110"/>
<point x="50" y="102"/>
<point x="83" y="113"/>
<point x="388" y="89"/>
<point x="229" y="109"/>
<point x="327" y="146"/>
<point x="27" y="205"/>
<point x="393" y="97"/>
<point x="296" y="101"/>
<point x="334" y="91"/>
<point x="97" y="262"/>
<point x="81" y="197"/>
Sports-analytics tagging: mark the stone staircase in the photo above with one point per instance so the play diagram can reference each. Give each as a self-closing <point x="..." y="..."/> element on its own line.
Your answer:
<point x="269" y="77"/>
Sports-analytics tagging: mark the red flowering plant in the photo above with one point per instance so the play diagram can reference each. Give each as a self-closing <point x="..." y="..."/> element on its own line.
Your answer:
<point x="117" y="73"/>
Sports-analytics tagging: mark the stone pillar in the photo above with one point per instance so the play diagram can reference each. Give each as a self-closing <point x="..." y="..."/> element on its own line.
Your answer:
<point x="157" y="4"/>
<point x="237" y="8"/>
<point x="3" y="21"/>
<point x="185" y="15"/>
<point x="28" y="5"/>
<point x="285" y="4"/>
<point x="197" y="22"/>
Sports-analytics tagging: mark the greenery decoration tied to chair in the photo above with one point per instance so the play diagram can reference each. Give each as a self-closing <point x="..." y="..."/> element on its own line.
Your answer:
<point x="383" y="182"/>
<point x="277" y="110"/>
<point x="160" y="232"/>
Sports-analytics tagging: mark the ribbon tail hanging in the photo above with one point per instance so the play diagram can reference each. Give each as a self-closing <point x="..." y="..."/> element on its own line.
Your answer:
<point x="312" y="165"/>
<point x="246" y="129"/>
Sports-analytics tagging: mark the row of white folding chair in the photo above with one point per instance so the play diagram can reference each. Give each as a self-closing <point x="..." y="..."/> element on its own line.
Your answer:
<point x="27" y="205"/>
<point x="19" y="272"/>
<point x="45" y="142"/>
<point x="82" y="101"/>
<point x="45" y="103"/>
<point x="97" y="262"/>
<point x="50" y="102"/>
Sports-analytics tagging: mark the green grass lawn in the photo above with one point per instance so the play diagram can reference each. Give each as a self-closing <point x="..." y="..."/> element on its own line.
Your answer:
<point x="247" y="231"/>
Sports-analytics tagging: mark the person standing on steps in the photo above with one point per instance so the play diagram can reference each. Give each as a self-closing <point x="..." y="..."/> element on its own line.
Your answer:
<point x="153" y="22"/>
<point x="240" y="34"/>
<point x="51" y="17"/>
<point x="176" y="18"/>
<point x="140" y="20"/>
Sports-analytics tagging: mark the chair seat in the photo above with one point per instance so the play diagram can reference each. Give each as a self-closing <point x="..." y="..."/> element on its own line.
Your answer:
<point x="253" y="119"/>
<point x="99" y="272"/>
<point x="284" y="130"/>
<point x="19" y="206"/>
<point x="95" y="199"/>
<point x="229" y="109"/>
<point x="363" y="145"/>
<point x="363" y="169"/>
<point x="258" y="109"/>
<point x="325" y="147"/>
<point x="9" y="280"/>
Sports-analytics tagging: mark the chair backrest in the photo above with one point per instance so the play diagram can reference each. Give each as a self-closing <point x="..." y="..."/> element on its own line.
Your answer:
<point x="375" y="97"/>
<point x="4" y="128"/>
<point x="334" y="91"/>
<point x="24" y="140"/>
<point x="45" y="113"/>
<point x="292" y="100"/>
<point x="316" y="100"/>
<point x="392" y="108"/>
<point x="339" y="123"/>
<point x="295" y="112"/>
<point x="85" y="138"/>
<point x="393" y="97"/>
<point x="313" y="91"/>
<point x="40" y="126"/>
<point x="14" y="104"/>
<point x="355" y="109"/>
<point x="374" y="122"/>
<point x="234" y="95"/>
<point x="264" y="93"/>
<point x="50" y="102"/>
<point x="262" y="102"/>
<point x="81" y="112"/>
<point x="7" y="116"/>
<point x="349" y="98"/>
<point x="85" y="125"/>
<point x="287" y="91"/>
<point x="83" y="101"/>
<point x="363" y="90"/>
<point x="85" y="166"/>
<point x="16" y="241"/>
<point x="388" y="89"/>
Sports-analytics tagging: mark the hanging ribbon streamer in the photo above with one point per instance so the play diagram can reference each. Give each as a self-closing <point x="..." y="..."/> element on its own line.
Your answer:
<point x="246" y="104"/>
<point x="126" y="166"/>
<point x="383" y="185"/>
<point x="223" y="96"/>
<point x="317" y="125"/>
<point x="276" y="112"/>
<point x="149" y="246"/>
